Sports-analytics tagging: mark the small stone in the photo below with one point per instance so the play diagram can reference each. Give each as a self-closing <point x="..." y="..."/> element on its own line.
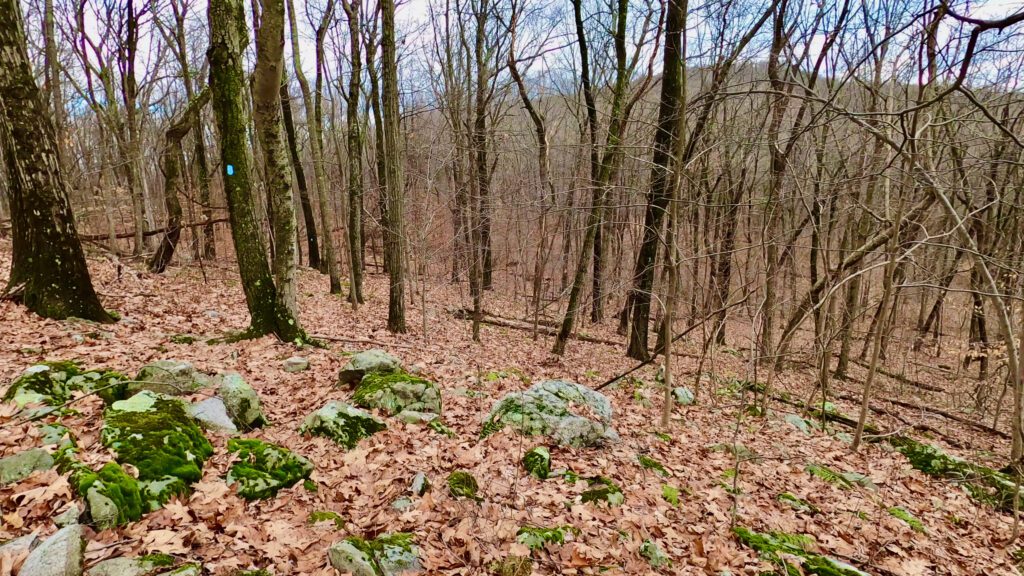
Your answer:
<point x="103" y="510"/>
<point x="60" y="555"/>
<point x="682" y="395"/>
<point x="296" y="364"/>
<point x="171" y="377"/>
<point x="68" y="517"/>
<point x="416" y="417"/>
<point x="537" y="461"/>
<point x="462" y="484"/>
<point x="241" y="401"/>
<point x="402" y="503"/>
<point x="212" y="414"/>
<point x="19" y="466"/>
<point x="363" y="363"/>
<point x="420" y="484"/>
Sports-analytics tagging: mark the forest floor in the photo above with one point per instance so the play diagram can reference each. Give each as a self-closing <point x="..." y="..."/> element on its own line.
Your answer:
<point x="957" y="535"/>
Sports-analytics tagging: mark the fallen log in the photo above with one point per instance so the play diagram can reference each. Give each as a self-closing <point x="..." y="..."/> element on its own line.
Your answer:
<point x="147" y="233"/>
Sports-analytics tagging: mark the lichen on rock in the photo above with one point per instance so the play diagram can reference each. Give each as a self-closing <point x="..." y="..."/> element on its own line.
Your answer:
<point x="462" y="484"/>
<point x="241" y="401"/>
<point x="155" y="434"/>
<point x="571" y="414"/>
<point x="263" y="468"/>
<point x="537" y="461"/>
<point x="397" y="391"/>
<point x="17" y="467"/>
<point x="170" y="377"/>
<point x="342" y="423"/>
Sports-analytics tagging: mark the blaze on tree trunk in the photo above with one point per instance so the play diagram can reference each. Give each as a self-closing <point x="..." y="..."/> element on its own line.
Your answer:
<point x="228" y="39"/>
<point x="48" y="272"/>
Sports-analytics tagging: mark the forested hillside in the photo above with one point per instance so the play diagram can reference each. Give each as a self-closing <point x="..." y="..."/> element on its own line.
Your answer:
<point x="511" y="287"/>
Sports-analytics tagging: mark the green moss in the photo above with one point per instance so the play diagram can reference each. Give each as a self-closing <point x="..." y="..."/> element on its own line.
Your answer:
<point x="829" y="475"/>
<point x="158" y="559"/>
<point x="387" y="548"/>
<point x="259" y="572"/>
<point x="326" y="516"/>
<point x="396" y="391"/>
<point x="438" y="426"/>
<point x="796" y="503"/>
<point x="154" y="434"/>
<point x="264" y="469"/>
<point x="341" y="423"/>
<point x="510" y="409"/>
<point x="650" y="551"/>
<point x="652" y="464"/>
<point x="603" y="489"/>
<point x="908" y="518"/>
<point x="670" y="494"/>
<point x="537" y="462"/>
<point x="779" y="547"/>
<point x="512" y="566"/>
<point x="46" y="382"/>
<point x="982" y="483"/>
<point x="183" y="339"/>
<point x="537" y="537"/>
<point x="462" y="484"/>
<point x="113" y="482"/>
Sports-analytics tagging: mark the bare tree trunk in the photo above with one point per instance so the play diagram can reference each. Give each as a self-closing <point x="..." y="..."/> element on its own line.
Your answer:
<point x="394" y="186"/>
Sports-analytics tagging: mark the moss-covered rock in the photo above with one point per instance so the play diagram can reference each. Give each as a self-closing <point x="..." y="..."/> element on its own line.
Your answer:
<point x="264" y="469"/>
<point x="241" y="401"/>
<point x="462" y="484"/>
<point x="537" y="537"/>
<point x="367" y="362"/>
<point x="603" y="489"/>
<point x="342" y="423"/>
<point x="142" y="566"/>
<point x="651" y="464"/>
<point x="780" y="548"/>
<point x="650" y="551"/>
<point x="385" y="555"/>
<point x="114" y="497"/>
<point x="420" y="484"/>
<point x="169" y="377"/>
<point x="537" y="461"/>
<point x="19" y="466"/>
<point x="155" y="434"/>
<point x="53" y="384"/>
<point x="547" y="408"/>
<point x="398" y="391"/>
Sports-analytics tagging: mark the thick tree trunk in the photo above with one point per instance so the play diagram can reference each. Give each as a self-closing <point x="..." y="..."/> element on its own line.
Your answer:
<point x="394" y="184"/>
<point x="354" y="137"/>
<point x="48" y="270"/>
<point x="228" y="87"/>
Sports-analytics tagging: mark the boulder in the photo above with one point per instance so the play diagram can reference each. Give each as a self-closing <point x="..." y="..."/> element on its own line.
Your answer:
<point x="19" y="466"/>
<point x="263" y="468"/>
<point x="46" y="382"/>
<point x="414" y="417"/>
<point x="170" y="377"/>
<point x="212" y="414"/>
<point x="155" y="434"/>
<point x="241" y="401"/>
<point x="60" y="555"/>
<point x="296" y="364"/>
<point x="342" y="423"/>
<point x="395" y="392"/>
<point x="102" y="509"/>
<point x="19" y="547"/>
<point x="113" y="496"/>
<point x="571" y="414"/>
<point x="367" y="362"/>
<point x="387" y="555"/>
<point x="682" y="395"/>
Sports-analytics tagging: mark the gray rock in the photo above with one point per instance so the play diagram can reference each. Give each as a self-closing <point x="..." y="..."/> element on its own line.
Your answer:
<point x="797" y="422"/>
<point x="171" y="377"/>
<point x="241" y="401"/>
<point x="68" y="517"/>
<point x="571" y="414"/>
<point x="415" y="417"/>
<point x="18" y="546"/>
<point x="212" y="414"/>
<point x="103" y="510"/>
<point x="402" y="503"/>
<point x="363" y="363"/>
<point x="19" y="466"/>
<point x="144" y="566"/>
<point x="420" y="484"/>
<point x="345" y="557"/>
<point x="186" y="570"/>
<point x="296" y="364"/>
<point x="342" y="423"/>
<point x="60" y="555"/>
<point x="391" y="555"/>
<point x="682" y="395"/>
